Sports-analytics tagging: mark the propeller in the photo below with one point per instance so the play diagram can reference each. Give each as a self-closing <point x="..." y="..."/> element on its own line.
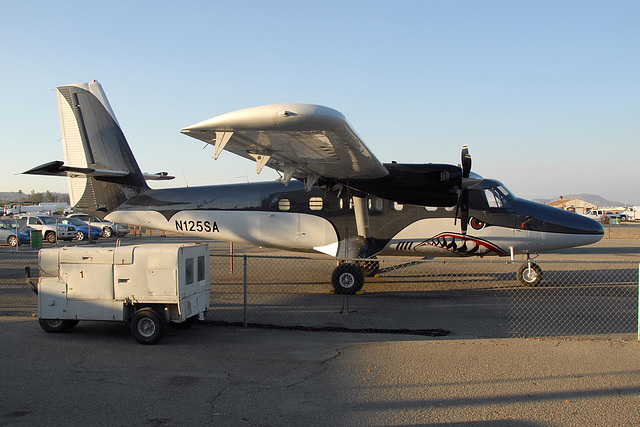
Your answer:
<point x="462" y="206"/>
<point x="465" y="161"/>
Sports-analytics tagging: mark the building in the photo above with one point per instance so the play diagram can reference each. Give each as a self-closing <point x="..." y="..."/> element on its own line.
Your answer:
<point x="573" y="205"/>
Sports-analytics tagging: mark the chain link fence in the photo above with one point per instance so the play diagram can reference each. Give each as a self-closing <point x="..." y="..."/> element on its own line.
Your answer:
<point x="471" y="298"/>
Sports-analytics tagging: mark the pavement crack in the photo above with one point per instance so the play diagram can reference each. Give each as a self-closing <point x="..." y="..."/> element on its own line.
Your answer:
<point x="323" y="365"/>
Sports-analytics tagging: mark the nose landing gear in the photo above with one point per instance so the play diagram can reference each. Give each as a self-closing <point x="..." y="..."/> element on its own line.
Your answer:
<point x="530" y="274"/>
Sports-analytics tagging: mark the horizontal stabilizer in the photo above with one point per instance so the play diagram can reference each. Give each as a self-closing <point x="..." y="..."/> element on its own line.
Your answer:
<point x="57" y="168"/>
<point x="158" y="176"/>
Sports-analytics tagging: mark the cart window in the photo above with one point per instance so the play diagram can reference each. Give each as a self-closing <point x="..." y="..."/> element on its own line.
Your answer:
<point x="188" y="267"/>
<point x="201" y="268"/>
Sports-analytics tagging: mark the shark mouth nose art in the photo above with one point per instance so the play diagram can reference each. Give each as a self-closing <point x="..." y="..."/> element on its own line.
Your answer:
<point x="453" y="242"/>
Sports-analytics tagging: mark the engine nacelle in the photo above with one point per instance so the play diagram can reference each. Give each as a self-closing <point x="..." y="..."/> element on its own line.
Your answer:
<point x="417" y="184"/>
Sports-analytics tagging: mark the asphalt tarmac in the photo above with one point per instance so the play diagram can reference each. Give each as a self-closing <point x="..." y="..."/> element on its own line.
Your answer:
<point x="97" y="374"/>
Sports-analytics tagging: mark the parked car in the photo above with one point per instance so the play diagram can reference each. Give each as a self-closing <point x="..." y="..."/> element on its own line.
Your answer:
<point x="84" y="230"/>
<point x="11" y="223"/>
<point x="108" y="228"/>
<point x="51" y="228"/>
<point x="8" y="234"/>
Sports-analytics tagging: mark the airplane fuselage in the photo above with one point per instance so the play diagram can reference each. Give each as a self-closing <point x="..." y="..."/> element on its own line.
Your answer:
<point x="270" y="214"/>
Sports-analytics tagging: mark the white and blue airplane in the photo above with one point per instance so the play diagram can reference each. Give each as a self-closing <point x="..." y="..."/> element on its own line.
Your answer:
<point x="333" y="197"/>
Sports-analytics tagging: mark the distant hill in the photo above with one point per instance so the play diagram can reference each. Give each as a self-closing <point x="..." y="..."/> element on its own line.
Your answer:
<point x="591" y="198"/>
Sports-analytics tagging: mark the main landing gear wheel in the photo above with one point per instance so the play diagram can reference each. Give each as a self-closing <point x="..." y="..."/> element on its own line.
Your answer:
<point x="347" y="279"/>
<point x="530" y="274"/>
<point x="148" y="326"/>
<point x="369" y="266"/>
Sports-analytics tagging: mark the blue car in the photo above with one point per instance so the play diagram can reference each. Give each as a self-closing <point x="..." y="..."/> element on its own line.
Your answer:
<point x="8" y="233"/>
<point x="84" y="230"/>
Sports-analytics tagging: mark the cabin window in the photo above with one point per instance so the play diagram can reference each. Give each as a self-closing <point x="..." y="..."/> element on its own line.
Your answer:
<point x="284" y="204"/>
<point x="449" y="208"/>
<point x="375" y="204"/>
<point x="316" y="203"/>
<point x="397" y="206"/>
<point x="495" y="198"/>
<point x="431" y="208"/>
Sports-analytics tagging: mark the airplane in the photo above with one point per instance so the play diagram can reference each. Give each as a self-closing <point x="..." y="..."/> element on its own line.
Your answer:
<point x="333" y="195"/>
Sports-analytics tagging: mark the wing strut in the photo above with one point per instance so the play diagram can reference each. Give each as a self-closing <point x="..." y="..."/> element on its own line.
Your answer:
<point x="362" y="216"/>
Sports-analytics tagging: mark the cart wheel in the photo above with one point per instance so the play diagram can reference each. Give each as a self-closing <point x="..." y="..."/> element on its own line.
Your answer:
<point x="186" y="324"/>
<point x="72" y="323"/>
<point x="53" y="325"/>
<point x="148" y="327"/>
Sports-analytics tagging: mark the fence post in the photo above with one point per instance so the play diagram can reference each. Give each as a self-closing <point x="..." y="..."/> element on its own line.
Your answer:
<point x="245" y="290"/>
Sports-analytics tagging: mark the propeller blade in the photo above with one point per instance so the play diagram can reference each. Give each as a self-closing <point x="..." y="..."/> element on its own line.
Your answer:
<point x="465" y="161"/>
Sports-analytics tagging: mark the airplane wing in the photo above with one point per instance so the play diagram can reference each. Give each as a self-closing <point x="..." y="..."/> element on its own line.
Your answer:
<point x="303" y="141"/>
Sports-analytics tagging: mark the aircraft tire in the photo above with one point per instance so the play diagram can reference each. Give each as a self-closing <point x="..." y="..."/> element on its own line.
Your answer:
<point x="54" y="325"/>
<point x="148" y="327"/>
<point x="369" y="266"/>
<point x="530" y="276"/>
<point x="347" y="279"/>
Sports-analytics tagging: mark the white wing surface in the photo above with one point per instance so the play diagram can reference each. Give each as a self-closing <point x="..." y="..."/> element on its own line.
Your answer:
<point x="300" y="140"/>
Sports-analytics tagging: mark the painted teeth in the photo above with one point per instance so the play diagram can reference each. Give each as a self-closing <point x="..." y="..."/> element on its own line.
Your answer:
<point x="452" y="243"/>
<point x="456" y="244"/>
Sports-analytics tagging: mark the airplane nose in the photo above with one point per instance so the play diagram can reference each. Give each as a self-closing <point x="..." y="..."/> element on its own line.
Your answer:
<point x="578" y="228"/>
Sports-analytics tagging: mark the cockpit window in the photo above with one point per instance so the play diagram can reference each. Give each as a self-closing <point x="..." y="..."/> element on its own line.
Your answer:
<point x="497" y="196"/>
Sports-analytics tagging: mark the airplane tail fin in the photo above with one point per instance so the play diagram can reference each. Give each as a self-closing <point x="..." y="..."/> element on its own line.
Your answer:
<point x="101" y="170"/>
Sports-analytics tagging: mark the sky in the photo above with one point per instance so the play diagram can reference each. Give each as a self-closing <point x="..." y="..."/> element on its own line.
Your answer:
<point x="546" y="94"/>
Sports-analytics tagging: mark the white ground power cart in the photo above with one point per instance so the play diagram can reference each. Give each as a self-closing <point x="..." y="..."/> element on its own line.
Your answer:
<point x="149" y="285"/>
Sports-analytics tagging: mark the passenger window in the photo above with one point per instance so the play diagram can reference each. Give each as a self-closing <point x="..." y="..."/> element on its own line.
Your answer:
<point x="431" y="208"/>
<point x="315" y="203"/>
<point x="397" y="206"/>
<point x="375" y="204"/>
<point x="284" y="204"/>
